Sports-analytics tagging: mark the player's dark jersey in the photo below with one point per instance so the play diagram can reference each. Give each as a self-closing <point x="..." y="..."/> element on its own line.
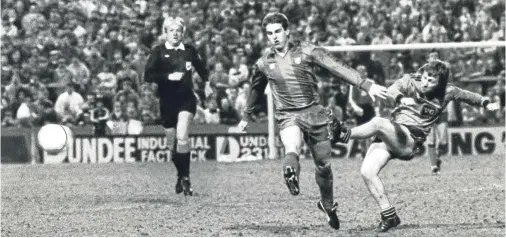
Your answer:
<point x="426" y="111"/>
<point x="171" y="69"/>
<point x="292" y="77"/>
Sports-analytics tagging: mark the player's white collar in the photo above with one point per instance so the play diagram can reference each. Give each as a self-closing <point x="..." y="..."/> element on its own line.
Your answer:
<point x="170" y="47"/>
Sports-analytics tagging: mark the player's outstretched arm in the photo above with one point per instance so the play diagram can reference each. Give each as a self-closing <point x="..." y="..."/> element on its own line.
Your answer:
<point x="258" y="84"/>
<point x="398" y="89"/>
<point x="152" y="70"/>
<point x="471" y="98"/>
<point x="323" y="58"/>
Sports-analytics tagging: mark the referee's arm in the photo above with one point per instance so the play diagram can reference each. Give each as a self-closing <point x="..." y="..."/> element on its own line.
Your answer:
<point x="153" y="71"/>
<point x="200" y="65"/>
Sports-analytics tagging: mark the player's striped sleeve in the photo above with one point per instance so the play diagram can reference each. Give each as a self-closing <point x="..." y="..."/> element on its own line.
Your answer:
<point x="471" y="98"/>
<point x="323" y="58"/>
<point x="397" y="90"/>
<point x="258" y="84"/>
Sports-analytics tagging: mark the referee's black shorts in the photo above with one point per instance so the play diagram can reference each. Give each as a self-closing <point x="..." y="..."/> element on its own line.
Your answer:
<point x="170" y="109"/>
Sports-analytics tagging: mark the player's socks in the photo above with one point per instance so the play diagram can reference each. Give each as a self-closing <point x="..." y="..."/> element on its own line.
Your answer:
<point x="184" y="159"/>
<point x="324" y="179"/>
<point x="442" y="149"/>
<point x="389" y="212"/>
<point x="292" y="159"/>
<point x="389" y="219"/>
<point x="435" y="162"/>
<point x="291" y="171"/>
<point x="176" y="159"/>
<point x="177" y="163"/>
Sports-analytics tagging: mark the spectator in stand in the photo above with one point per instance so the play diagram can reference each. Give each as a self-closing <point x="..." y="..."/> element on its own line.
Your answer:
<point x="485" y="26"/>
<point x="345" y="38"/>
<point x="118" y="122"/>
<point x="395" y="68"/>
<point x="128" y="72"/>
<point x="200" y="116"/>
<point x="128" y="93"/>
<point x="219" y="79"/>
<point x="68" y="105"/>
<point x="238" y="73"/>
<point x="39" y="40"/>
<point x="44" y="108"/>
<point x="80" y="74"/>
<point x="25" y="114"/>
<point x="212" y="112"/>
<point x="240" y="102"/>
<point x="434" y="31"/>
<point x="228" y="115"/>
<point x="9" y="120"/>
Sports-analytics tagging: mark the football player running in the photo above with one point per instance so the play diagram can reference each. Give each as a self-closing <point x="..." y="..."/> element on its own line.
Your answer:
<point x="288" y="67"/>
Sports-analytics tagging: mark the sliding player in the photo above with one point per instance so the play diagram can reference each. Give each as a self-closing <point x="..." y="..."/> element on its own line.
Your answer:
<point x="288" y="67"/>
<point x="170" y="67"/>
<point x="420" y="102"/>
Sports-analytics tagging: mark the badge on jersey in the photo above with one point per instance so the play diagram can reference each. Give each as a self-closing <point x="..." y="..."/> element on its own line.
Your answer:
<point x="167" y="56"/>
<point x="188" y="65"/>
<point x="428" y="110"/>
<point x="297" y="60"/>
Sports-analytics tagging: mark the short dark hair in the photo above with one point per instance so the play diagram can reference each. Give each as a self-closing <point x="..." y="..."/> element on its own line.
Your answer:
<point x="438" y="69"/>
<point x="275" y="17"/>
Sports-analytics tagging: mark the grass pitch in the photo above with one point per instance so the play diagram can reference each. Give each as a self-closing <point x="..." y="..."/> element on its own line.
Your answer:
<point x="249" y="199"/>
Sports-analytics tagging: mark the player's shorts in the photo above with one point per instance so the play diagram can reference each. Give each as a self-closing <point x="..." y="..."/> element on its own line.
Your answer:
<point x="170" y="111"/>
<point x="418" y="136"/>
<point x="369" y="114"/>
<point x="313" y="122"/>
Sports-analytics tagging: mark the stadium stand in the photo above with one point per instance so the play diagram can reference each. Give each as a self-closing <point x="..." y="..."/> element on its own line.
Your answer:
<point x="100" y="47"/>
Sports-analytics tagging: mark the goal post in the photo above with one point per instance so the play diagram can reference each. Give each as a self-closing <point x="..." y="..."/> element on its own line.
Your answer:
<point x="361" y="48"/>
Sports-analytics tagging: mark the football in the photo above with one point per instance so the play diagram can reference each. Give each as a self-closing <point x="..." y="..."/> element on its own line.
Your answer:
<point x="52" y="138"/>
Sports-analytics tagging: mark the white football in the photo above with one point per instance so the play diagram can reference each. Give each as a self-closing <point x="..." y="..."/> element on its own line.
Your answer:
<point x="52" y="138"/>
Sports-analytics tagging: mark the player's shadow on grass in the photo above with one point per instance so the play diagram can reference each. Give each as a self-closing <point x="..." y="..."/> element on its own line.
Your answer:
<point x="274" y="229"/>
<point x="462" y="226"/>
<point x="167" y="201"/>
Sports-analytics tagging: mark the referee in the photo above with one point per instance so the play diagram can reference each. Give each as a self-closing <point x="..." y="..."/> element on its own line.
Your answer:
<point x="170" y="67"/>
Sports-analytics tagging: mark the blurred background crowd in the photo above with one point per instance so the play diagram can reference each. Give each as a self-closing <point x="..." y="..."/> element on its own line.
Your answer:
<point x="59" y="55"/>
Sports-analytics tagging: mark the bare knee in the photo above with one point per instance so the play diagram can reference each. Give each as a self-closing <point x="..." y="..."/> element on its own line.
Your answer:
<point x="321" y="152"/>
<point x="183" y="143"/>
<point x="368" y="172"/>
<point x="380" y="124"/>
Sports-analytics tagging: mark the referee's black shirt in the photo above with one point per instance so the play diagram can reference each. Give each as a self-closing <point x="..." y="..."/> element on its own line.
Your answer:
<point x="165" y="60"/>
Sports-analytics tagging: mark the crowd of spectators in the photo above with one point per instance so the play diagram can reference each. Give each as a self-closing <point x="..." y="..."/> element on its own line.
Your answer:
<point x="57" y="56"/>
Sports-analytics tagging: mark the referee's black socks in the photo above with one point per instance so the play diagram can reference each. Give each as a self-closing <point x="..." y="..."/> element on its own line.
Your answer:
<point x="182" y="163"/>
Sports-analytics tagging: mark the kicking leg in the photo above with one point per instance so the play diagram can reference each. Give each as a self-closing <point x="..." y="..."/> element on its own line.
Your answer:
<point x="183" y="149"/>
<point x="291" y="137"/>
<point x="395" y="136"/>
<point x="377" y="157"/>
